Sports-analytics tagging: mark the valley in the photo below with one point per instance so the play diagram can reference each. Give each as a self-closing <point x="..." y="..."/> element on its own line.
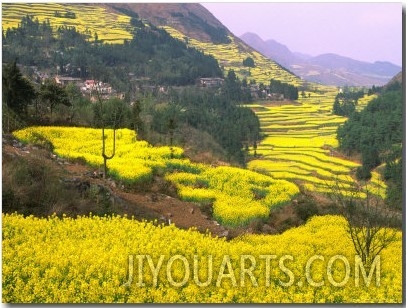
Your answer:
<point x="300" y="145"/>
<point x="211" y="174"/>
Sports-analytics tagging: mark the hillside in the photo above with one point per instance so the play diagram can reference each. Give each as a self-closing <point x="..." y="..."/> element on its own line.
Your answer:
<point x="66" y="40"/>
<point x="117" y="153"/>
<point x="270" y="48"/>
<point x="396" y="79"/>
<point x="328" y="69"/>
<point x="228" y="126"/>
<point x="190" y="23"/>
<point x="192" y="19"/>
<point x="305" y="118"/>
<point x="376" y="134"/>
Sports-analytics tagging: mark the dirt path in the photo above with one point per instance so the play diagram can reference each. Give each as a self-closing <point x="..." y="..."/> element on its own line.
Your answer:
<point x="151" y="204"/>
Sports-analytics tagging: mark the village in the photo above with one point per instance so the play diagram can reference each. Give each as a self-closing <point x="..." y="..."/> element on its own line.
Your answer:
<point x="91" y="88"/>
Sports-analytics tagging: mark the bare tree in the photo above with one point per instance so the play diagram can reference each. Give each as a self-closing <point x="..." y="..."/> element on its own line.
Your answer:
<point x="105" y="156"/>
<point x="115" y="118"/>
<point x="370" y="224"/>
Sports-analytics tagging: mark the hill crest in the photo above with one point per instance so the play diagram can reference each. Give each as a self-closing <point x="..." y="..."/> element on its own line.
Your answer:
<point x="188" y="22"/>
<point x="329" y="69"/>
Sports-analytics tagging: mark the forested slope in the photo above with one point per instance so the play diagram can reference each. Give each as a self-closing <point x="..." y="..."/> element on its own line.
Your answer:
<point x="376" y="133"/>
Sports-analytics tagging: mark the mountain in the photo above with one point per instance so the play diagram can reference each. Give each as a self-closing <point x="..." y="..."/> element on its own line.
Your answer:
<point x="270" y="48"/>
<point x="192" y="19"/>
<point x="396" y="81"/>
<point x="397" y="78"/>
<point x="190" y="23"/>
<point x="162" y="50"/>
<point x="329" y="69"/>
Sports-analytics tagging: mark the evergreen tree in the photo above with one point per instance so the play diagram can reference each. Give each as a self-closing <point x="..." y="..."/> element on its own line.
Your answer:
<point x="18" y="92"/>
<point x="248" y="62"/>
<point x="53" y="94"/>
<point x="376" y="133"/>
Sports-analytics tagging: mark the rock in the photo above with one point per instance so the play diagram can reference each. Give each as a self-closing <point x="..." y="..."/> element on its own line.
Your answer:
<point x="250" y="231"/>
<point x="169" y="215"/>
<point x="224" y="233"/>
<point x="268" y="229"/>
<point x="112" y="184"/>
<point x="192" y="210"/>
<point x="17" y="144"/>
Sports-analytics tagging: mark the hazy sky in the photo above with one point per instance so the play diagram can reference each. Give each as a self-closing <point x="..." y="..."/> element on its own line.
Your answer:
<point x="363" y="31"/>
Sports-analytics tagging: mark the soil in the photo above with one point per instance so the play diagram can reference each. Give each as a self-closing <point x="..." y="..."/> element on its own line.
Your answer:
<point x="157" y="201"/>
<point x="154" y="203"/>
<point x="278" y="103"/>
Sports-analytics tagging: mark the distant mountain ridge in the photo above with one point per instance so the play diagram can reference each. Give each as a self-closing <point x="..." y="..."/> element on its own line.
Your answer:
<point x="328" y="69"/>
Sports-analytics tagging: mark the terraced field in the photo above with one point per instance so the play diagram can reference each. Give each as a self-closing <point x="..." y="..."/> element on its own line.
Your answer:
<point x="300" y="142"/>
<point x="230" y="56"/>
<point x="114" y="27"/>
<point x="110" y="27"/>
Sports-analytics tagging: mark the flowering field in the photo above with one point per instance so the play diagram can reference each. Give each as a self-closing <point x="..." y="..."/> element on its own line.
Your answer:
<point x="114" y="27"/>
<point x="134" y="161"/>
<point x="116" y="260"/>
<point x="253" y="194"/>
<point x="110" y="27"/>
<point x="238" y="195"/>
<point x="231" y="56"/>
<point x="299" y="145"/>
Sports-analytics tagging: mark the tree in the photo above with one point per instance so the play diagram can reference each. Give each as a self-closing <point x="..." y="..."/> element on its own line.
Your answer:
<point x="289" y="91"/>
<point x="376" y="133"/>
<point x="370" y="224"/>
<point x="53" y="94"/>
<point x="81" y="110"/>
<point x="393" y="176"/>
<point x="18" y="92"/>
<point x="110" y="114"/>
<point x="232" y="87"/>
<point x="345" y="102"/>
<point x="248" y="62"/>
<point x="136" y="117"/>
<point x="171" y="130"/>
